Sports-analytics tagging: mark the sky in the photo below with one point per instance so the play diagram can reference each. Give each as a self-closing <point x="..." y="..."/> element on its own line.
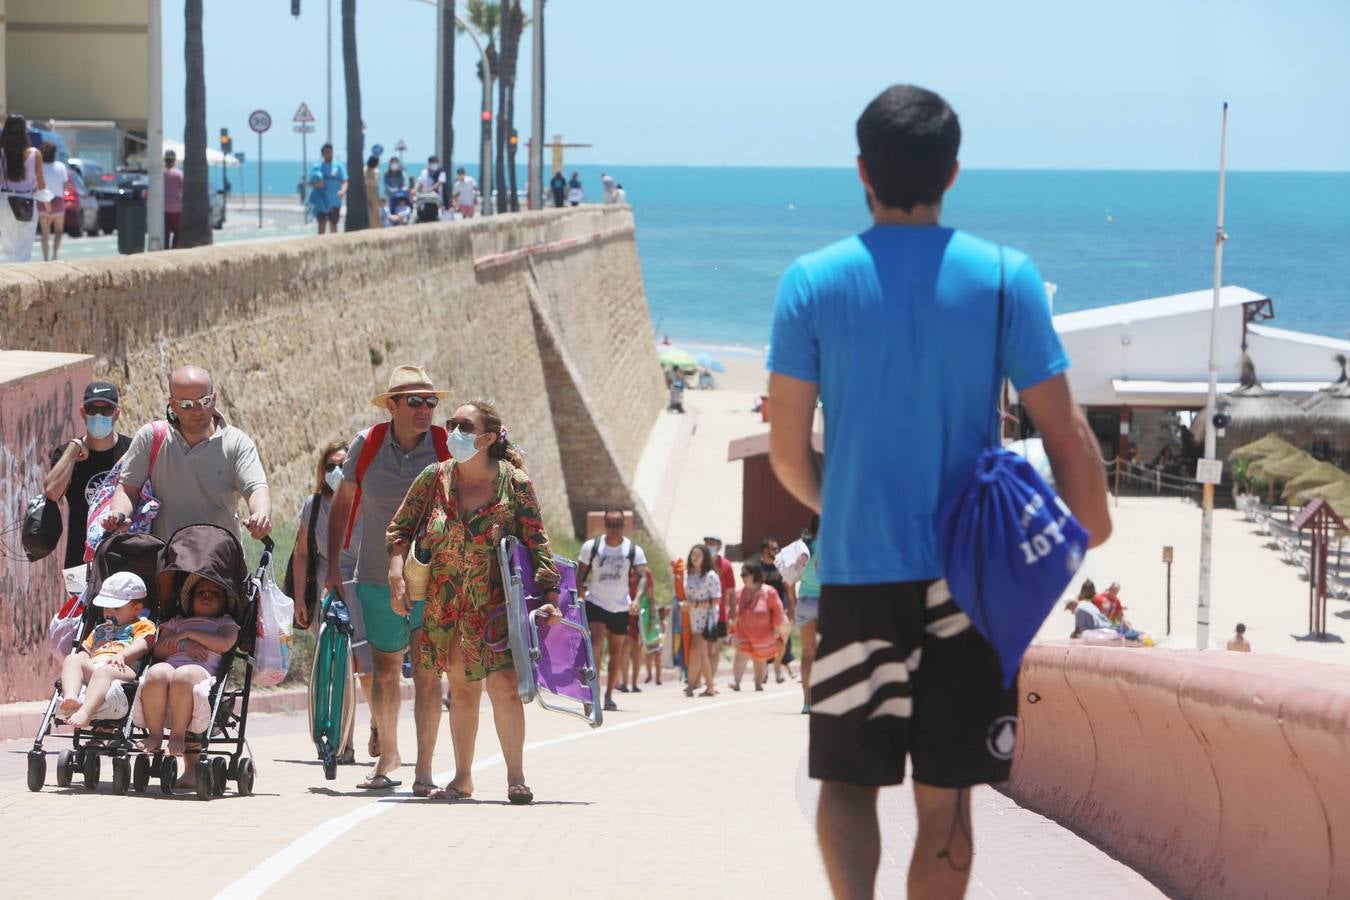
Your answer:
<point x="1044" y="84"/>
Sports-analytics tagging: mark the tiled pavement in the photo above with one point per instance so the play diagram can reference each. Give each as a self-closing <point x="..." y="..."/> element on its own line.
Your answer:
<point x="672" y="797"/>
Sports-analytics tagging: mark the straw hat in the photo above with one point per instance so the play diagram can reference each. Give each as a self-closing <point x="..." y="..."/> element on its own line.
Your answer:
<point x="408" y="380"/>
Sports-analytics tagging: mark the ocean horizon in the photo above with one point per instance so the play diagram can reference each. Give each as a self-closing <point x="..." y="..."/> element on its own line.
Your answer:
<point x="714" y="241"/>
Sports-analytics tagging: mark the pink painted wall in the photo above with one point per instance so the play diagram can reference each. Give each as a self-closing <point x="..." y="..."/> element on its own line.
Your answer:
<point x="40" y="397"/>
<point x="1216" y="774"/>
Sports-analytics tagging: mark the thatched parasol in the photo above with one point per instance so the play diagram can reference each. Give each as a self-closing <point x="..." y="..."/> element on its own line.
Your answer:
<point x="1261" y="468"/>
<point x="1339" y="386"/>
<point x="1323" y="474"/>
<point x="1337" y="494"/>
<point x="1253" y="410"/>
<point x="1271" y="444"/>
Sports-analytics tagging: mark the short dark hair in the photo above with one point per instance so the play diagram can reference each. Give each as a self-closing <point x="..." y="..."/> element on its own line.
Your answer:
<point x="372" y="162"/>
<point x="755" y="569"/>
<point x="48" y="151"/>
<point x="325" y="147"/>
<point x="1241" y="629"/>
<point x="459" y="171"/>
<point x="908" y="138"/>
<point x="433" y="158"/>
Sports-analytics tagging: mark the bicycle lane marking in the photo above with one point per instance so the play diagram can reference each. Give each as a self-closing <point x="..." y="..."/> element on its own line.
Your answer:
<point x="270" y="871"/>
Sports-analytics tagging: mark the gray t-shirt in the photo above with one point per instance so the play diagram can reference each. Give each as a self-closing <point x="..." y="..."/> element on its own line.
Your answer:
<point x="199" y="485"/>
<point x="383" y="488"/>
<point x="318" y="553"/>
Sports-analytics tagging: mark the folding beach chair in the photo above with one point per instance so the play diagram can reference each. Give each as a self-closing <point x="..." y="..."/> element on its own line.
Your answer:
<point x="553" y="661"/>
<point x="332" y="684"/>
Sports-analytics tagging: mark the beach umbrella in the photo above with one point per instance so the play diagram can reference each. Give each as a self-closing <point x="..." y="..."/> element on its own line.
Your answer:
<point x="674" y="357"/>
<point x="1285" y="468"/>
<point x="1269" y="445"/>
<point x="1334" y="493"/>
<point x="1259" y="466"/>
<point x="1253" y="410"/>
<point x="711" y="363"/>
<point x="1322" y="474"/>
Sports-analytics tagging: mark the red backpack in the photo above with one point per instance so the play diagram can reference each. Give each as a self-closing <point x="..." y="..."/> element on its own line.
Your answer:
<point x="372" y="440"/>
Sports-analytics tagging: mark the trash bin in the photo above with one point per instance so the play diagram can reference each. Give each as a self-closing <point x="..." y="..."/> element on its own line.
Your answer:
<point x="131" y="225"/>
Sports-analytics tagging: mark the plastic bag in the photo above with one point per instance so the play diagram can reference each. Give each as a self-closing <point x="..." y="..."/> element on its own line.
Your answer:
<point x="64" y="625"/>
<point x="276" y="614"/>
<point x="791" y="561"/>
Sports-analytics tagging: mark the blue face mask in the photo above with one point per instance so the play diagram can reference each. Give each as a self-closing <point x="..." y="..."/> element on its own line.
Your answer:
<point x="99" y="426"/>
<point x="461" y="446"/>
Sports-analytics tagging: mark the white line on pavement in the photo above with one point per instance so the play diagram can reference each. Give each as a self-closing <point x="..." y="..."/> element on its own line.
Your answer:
<point x="266" y="874"/>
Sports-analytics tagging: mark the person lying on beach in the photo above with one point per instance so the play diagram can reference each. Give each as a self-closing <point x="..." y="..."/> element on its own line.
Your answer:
<point x="106" y="654"/>
<point x="191" y="647"/>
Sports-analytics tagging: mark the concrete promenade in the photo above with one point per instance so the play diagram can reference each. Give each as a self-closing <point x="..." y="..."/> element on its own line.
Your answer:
<point x="672" y="797"/>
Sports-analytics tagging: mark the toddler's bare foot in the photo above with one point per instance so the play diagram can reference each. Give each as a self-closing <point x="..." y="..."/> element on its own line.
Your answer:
<point x="177" y="744"/>
<point x="78" y="719"/>
<point x="151" y="743"/>
<point x="68" y="706"/>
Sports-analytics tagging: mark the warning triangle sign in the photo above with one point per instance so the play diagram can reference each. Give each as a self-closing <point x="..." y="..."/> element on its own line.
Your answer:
<point x="303" y="115"/>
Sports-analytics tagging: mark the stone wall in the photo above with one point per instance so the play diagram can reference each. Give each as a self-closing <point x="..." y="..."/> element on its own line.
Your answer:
<point x="542" y="312"/>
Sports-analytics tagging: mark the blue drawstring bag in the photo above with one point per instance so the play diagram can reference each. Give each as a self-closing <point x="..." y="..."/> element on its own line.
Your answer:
<point x="1009" y="544"/>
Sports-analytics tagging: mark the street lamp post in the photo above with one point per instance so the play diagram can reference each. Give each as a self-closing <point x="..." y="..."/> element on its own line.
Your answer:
<point x="154" y="127"/>
<point x="485" y="152"/>
<point x="536" y="189"/>
<point x="330" y="72"/>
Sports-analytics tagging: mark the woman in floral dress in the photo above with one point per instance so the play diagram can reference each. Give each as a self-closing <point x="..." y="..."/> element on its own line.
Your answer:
<point x="460" y="510"/>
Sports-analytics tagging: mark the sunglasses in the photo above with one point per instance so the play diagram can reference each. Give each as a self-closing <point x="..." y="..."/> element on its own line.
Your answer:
<point x="99" y="409"/>
<point x="330" y="466"/>
<point x="418" y="402"/>
<point x="465" y="426"/>
<point x="614" y="523"/>
<point x="204" y="402"/>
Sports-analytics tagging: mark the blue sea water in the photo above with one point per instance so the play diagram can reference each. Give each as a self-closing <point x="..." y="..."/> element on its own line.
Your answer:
<point x="714" y="241"/>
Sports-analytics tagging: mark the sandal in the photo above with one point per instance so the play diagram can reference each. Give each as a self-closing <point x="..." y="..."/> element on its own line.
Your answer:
<point x="735" y="687"/>
<point x="450" y="794"/>
<point x="378" y="783"/>
<point x="689" y="692"/>
<point x="519" y="794"/>
<point x="373" y="745"/>
<point x="424" y="788"/>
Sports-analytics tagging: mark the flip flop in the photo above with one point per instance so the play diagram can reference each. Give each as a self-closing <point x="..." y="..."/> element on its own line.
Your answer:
<point x="378" y="783"/>
<point x="451" y="794"/>
<point x="423" y="788"/>
<point x="519" y="794"/>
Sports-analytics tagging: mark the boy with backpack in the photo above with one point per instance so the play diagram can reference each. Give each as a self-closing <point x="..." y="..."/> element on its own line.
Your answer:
<point x="607" y="563"/>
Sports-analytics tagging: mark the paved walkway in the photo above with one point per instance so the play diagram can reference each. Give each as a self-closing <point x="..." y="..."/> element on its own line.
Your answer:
<point x="672" y="796"/>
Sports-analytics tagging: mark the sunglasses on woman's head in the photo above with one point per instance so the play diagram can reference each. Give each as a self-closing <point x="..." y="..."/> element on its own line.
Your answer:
<point x="204" y="402"/>
<point x="465" y="426"/>
<point x="418" y="402"/>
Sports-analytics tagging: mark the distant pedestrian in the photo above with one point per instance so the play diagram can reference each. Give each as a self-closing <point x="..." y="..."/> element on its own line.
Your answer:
<point x="605" y="562"/>
<point x="20" y="177"/>
<point x="808" y="608"/>
<point x="51" y="207"/>
<point x="702" y="595"/>
<point x="1238" y="641"/>
<point x="908" y="676"/>
<point x="465" y="194"/>
<point x="373" y="205"/>
<point x="328" y="185"/>
<point x="768" y="552"/>
<point x="607" y="190"/>
<point x="173" y="202"/>
<point x="727" y="572"/>
<point x="80" y="466"/>
<point x="395" y="179"/>
<point x="620" y="197"/>
<point x="759" y="620"/>
<point x="559" y="187"/>
<point x="574" y="192"/>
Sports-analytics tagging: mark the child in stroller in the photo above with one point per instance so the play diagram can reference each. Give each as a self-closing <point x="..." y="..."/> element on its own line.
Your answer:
<point x="191" y="647"/>
<point x="400" y="207"/>
<point x="122" y="638"/>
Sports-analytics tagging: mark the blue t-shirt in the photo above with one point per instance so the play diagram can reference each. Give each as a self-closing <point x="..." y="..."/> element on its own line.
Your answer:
<point x="332" y="175"/>
<point x="896" y="326"/>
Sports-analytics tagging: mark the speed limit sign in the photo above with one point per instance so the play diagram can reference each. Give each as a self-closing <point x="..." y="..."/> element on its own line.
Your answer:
<point x="259" y="120"/>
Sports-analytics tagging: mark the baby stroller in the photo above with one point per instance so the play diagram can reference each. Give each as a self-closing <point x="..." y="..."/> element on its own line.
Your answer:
<point x="400" y="207"/>
<point x="212" y="552"/>
<point x="110" y="732"/>
<point x="428" y="206"/>
<point x="555" y="659"/>
<point x="332" y="687"/>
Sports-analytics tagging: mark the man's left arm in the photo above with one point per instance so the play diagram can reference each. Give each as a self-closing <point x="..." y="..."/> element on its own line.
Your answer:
<point x="252" y="484"/>
<point x="793" y="402"/>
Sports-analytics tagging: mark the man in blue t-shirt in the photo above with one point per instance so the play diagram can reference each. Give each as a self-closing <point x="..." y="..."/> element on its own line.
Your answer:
<point x="893" y="330"/>
<point x="328" y="185"/>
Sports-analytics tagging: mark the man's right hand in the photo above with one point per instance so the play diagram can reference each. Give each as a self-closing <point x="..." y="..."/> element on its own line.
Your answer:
<point x="332" y="582"/>
<point x="114" y="522"/>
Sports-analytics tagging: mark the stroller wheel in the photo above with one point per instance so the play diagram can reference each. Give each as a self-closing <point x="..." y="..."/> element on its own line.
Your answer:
<point x="65" y="768"/>
<point x="244" y="780"/>
<point x="203" y="778"/>
<point x="168" y="774"/>
<point x="90" y="770"/>
<point x="37" y="769"/>
<point x="218" y="767"/>
<point x="121" y="766"/>
<point x="140" y="773"/>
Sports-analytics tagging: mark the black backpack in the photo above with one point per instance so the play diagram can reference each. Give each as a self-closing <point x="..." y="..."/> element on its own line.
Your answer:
<point x="42" y="527"/>
<point x="596" y="543"/>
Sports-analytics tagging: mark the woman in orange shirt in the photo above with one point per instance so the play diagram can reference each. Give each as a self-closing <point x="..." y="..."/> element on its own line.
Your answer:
<point x="759" y="614"/>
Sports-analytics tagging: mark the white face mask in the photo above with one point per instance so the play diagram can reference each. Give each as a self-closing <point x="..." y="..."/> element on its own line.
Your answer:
<point x="333" y="479"/>
<point x="462" y="446"/>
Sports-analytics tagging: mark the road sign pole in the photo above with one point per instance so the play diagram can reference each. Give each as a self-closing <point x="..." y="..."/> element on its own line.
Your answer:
<point x="304" y="164"/>
<point x="260" y="179"/>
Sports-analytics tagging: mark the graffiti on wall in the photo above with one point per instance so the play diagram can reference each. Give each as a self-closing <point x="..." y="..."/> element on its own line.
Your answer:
<point x="36" y="415"/>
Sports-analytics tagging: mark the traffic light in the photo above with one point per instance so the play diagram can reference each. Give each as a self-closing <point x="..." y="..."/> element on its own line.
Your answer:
<point x="487" y="124"/>
<point x="226" y="145"/>
<point x="295" y="8"/>
<point x="515" y="139"/>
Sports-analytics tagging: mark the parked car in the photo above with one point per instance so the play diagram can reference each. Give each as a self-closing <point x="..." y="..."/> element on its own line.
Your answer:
<point x="136" y="180"/>
<point x="103" y="185"/>
<point x="82" y="209"/>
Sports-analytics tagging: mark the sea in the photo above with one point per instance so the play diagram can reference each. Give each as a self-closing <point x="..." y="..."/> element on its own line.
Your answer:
<point x="715" y="241"/>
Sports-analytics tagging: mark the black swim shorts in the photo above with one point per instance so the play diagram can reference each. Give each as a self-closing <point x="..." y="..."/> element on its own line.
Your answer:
<point x="616" y="622"/>
<point x="900" y="670"/>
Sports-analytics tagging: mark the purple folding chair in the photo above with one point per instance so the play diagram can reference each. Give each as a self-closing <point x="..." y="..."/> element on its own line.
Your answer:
<point x="550" y="659"/>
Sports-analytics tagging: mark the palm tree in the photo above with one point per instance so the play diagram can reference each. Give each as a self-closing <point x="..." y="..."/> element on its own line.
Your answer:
<point x="357" y="216"/>
<point x="513" y="24"/>
<point x="447" y="63"/>
<point x="486" y="16"/>
<point x="196" y="222"/>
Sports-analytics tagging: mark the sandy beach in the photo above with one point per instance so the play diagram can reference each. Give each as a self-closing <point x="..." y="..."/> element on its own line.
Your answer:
<point x="692" y="490"/>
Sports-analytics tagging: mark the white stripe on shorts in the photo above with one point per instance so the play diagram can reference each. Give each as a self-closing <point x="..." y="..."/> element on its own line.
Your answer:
<point x="861" y="693"/>
<point x="846" y="657"/>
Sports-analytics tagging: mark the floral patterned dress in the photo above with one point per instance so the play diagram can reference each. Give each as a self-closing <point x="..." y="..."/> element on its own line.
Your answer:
<point x="466" y="602"/>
